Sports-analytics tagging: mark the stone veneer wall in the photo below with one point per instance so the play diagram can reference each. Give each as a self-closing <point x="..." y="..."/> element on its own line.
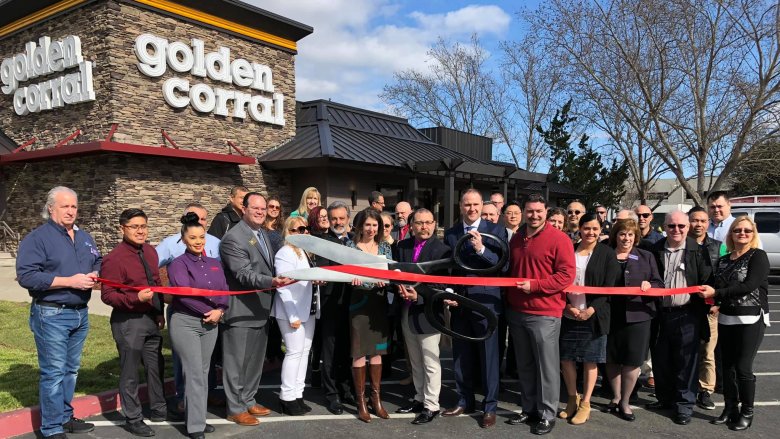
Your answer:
<point x="109" y="183"/>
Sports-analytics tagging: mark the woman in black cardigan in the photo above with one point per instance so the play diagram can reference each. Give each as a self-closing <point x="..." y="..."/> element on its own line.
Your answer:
<point x="585" y="321"/>
<point x="741" y="292"/>
<point x="629" y="334"/>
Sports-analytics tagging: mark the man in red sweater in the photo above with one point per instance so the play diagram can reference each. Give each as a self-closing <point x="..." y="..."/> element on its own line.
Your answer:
<point x="544" y="256"/>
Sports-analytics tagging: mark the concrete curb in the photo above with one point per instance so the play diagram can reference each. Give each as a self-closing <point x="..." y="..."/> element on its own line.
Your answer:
<point x="28" y="419"/>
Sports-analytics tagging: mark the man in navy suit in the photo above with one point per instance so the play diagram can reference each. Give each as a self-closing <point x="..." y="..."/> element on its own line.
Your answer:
<point x="478" y="253"/>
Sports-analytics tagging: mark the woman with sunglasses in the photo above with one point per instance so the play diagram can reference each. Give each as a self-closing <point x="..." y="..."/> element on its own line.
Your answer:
<point x="296" y="311"/>
<point x="274" y="222"/>
<point x="387" y="227"/>
<point x="741" y="292"/>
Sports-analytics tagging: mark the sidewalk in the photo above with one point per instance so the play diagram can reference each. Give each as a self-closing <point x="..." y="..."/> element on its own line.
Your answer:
<point x="12" y="292"/>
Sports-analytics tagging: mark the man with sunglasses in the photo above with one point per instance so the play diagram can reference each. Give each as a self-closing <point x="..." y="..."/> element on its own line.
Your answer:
<point x="649" y="235"/>
<point x="606" y="225"/>
<point x="574" y="212"/>
<point x="681" y="320"/>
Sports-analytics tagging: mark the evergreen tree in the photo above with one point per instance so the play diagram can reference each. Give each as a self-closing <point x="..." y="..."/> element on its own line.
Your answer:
<point x="582" y="168"/>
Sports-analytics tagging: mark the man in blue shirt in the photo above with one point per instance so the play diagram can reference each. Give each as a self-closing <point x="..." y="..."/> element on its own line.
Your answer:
<point x="169" y="249"/>
<point x="56" y="263"/>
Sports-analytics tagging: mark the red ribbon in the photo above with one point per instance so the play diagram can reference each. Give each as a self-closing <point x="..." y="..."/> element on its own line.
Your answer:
<point x="377" y="273"/>
<point x="177" y="291"/>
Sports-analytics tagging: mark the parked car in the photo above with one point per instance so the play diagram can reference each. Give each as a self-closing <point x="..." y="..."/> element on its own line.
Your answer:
<point x="765" y="212"/>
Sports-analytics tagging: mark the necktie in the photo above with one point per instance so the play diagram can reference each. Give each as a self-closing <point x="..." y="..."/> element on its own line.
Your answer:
<point x="150" y="280"/>
<point x="469" y="228"/>
<point x="263" y="246"/>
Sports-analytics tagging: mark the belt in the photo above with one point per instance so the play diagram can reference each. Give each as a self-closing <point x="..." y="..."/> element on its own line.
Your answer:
<point x="680" y="308"/>
<point x="60" y="305"/>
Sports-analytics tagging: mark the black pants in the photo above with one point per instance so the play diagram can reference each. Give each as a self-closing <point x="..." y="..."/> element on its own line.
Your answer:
<point x="676" y="358"/>
<point x="336" y="364"/>
<point x="739" y="346"/>
<point x="138" y="341"/>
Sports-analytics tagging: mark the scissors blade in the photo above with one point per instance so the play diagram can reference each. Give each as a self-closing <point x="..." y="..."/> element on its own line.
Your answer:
<point x="326" y="275"/>
<point x="335" y="252"/>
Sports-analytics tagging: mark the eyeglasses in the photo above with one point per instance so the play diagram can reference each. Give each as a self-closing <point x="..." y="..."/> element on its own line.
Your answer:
<point x="271" y="206"/>
<point x="601" y="212"/>
<point x="134" y="227"/>
<point x="676" y="226"/>
<point x="301" y="229"/>
<point x="424" y="223"/>
<point x="574" y="212"/>
<point x="387" y="226"/>
<point x="745" y="231"/>
<point x="645" y="215"/>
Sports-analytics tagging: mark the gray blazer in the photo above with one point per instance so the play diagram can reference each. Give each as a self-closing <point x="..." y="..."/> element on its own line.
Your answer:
<point x="246" y="268"/>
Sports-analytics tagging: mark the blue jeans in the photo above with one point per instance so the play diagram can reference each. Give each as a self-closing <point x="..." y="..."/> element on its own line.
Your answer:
<point x="59" y="337"/>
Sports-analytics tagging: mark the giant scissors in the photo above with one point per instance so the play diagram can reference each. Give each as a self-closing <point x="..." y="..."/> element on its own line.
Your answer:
<point x="432" y="297"/>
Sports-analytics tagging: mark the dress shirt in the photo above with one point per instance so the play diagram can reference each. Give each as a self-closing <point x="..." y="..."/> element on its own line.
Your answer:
<point x="197" y="271"/>
<point x="418" y="246"/>
<point x="474" y="226"/>
<point x="48" y="252"/>
<point x="172" y="247"/>
<point x="674" y="275"/>
<point x="720" y="230"/>
<point x="123" y="265"/>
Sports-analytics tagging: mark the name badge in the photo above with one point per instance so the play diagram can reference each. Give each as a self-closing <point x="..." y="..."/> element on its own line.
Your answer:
<point x="634" y="257"/>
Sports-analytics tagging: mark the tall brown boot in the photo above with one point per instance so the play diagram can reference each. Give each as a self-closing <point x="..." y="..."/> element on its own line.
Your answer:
<point x="376" y="401"/>
<point x="359" y="378"/>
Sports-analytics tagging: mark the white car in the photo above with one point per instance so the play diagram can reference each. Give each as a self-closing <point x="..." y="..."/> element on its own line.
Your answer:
<point x="765" y="212"/>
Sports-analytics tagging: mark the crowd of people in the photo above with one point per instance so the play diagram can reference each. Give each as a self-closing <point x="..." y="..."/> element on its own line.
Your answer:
<point x="698" y="340"/>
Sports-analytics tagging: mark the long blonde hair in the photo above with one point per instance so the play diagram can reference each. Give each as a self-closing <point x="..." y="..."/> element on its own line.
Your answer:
<point x="289" y="223"/>
<point x="755" y="242"/>
<point x="308" y="192"/>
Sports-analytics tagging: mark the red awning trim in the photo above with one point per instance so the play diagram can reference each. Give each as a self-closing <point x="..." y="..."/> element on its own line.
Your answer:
<point x="79" y="149"/>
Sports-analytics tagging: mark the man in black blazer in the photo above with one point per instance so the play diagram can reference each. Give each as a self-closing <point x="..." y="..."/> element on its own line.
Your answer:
<point x="422" y="339"/>
<point x="477" y="253"/>
<point x="681" y="319"/>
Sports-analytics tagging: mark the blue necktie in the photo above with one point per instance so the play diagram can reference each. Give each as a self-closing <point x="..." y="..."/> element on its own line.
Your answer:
<point x="263" y="246"/>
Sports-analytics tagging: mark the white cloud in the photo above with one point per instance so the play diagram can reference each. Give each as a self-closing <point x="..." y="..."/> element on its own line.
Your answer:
<point x="358" y="44"/>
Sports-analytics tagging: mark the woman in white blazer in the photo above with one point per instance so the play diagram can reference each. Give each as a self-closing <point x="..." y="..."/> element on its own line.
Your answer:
<point x="296" y="314"/>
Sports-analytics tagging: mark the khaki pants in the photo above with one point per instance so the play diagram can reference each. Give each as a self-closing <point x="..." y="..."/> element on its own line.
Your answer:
<point x="707" y="356"/>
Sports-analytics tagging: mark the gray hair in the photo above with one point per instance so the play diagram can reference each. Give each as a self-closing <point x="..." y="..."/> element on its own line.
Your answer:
<point x="629" y="213"/>
<point x="669" y="215"/>
<point x="339" y="205"/>
<point x="50" y="198"/>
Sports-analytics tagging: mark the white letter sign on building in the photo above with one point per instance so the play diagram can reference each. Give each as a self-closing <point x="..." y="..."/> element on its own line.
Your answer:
<point x="156" y="54"/>
<point x="43" y="59"/>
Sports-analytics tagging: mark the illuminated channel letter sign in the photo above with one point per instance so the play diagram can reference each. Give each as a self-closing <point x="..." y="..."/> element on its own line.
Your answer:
<point x="43" y="59"/>
<point x="156" y="54"/>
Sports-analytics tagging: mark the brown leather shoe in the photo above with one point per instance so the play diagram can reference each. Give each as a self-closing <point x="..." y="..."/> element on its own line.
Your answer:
<point x="455" y="411"/>
<point x="243" y="418"/>
<point x="258" y="410"/>
<point x="488" y="420"/>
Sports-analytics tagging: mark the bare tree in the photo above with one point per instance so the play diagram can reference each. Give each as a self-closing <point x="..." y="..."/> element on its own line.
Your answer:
<point x="451" y="94"/>
<point x="695" y="80"/>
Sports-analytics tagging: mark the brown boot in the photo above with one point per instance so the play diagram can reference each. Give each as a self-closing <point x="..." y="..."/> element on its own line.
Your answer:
<point x="376" y="401"/>
<point x="571" y="407"/>
<point x="359" y="378"/>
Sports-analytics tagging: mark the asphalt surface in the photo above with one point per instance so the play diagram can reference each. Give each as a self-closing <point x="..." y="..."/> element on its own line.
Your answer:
<point x="321" y="424"/>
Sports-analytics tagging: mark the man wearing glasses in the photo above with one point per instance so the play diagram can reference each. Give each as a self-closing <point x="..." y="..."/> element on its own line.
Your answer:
<point x="136" y="320"/>
<point x="606" y="225"/>
<point x="681" y="319"/>
<point x="377" y="201"/>
<point x="574" y="212"/>
<point x="401" y="229"/>
<point x="649" y="235"/>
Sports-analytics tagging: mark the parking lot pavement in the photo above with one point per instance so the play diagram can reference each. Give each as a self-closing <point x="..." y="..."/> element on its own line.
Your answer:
<point x="321" y="424"/>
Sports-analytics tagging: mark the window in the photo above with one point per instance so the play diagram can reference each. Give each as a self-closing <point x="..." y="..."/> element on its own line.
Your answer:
<point x="767" y="222"/>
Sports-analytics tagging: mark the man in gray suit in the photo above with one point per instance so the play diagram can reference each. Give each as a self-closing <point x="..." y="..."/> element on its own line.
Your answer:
<point x="248" y="258"/>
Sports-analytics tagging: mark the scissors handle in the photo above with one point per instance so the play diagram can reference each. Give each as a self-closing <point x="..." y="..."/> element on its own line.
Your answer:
<point x="432" y="303"/>
<point x="493" y="268"/>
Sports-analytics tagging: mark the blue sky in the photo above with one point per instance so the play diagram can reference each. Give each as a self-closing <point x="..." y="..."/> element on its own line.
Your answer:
<point x="358" y="44"/>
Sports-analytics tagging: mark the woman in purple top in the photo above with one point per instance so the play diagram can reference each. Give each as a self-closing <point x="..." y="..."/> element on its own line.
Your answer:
<point x="194" y="323"/>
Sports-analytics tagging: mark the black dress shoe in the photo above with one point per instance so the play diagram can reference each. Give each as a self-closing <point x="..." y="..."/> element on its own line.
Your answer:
<point x="625" y="416"/>
<point x="291" y="408"/>
<point x="414" y="407"/>
<point x="304" y="406"/>
<point x="335" y="407"/>
<point x="522" y="418"/>
<point x="457" y="411"/>
<point x="682" y="419"/>
<point x="197" y="435"/>
<point x="425" y="417"/>
<point x="657" y="405"/>
<point x="139" y="428"/>
<point x="543" y="427"/>
<point x="209" y="429"/>
<point x="610" y="408"/>
<point x="76" y="426"/>
<point x="349" y="399"/>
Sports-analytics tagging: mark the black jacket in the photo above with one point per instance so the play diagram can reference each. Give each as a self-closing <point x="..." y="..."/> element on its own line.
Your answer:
<point x="432" y="250"/>
<point x="603" y="270"/>
<point x="641" y="266"/>
<point x="741" y="286"/>
<point x="698" y="271"/>
<point x="224" y="221"/>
